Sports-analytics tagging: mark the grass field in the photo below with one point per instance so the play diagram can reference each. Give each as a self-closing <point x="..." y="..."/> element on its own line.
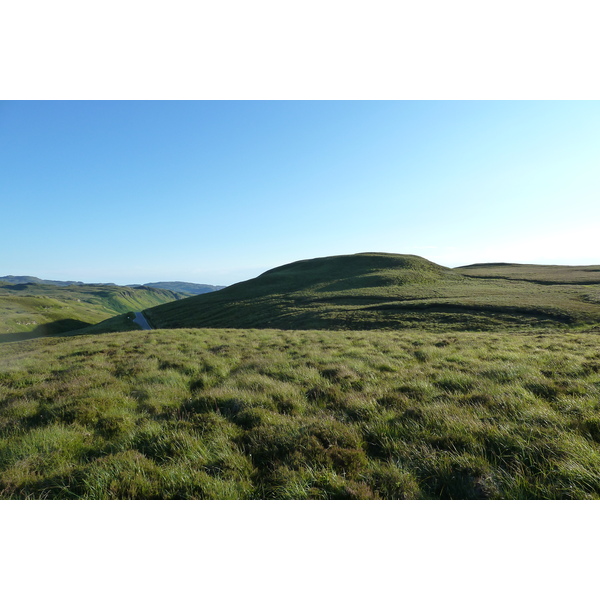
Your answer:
<point x="218" y="413"/>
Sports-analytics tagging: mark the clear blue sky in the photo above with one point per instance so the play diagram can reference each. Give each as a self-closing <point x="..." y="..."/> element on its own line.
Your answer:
<point x="217" y="192"/>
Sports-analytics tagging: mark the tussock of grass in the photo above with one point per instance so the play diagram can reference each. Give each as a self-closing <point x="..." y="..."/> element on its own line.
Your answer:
<point x="301" y="414"/>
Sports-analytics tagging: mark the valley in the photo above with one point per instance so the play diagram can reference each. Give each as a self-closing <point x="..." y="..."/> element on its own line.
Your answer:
<point x="30" y="310"/>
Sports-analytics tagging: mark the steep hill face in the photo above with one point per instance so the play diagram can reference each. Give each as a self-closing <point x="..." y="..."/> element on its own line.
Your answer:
<point x="380" y="291"/>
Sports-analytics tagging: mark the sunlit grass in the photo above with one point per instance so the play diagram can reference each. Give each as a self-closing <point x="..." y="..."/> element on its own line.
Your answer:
<point x="301" y="414"/>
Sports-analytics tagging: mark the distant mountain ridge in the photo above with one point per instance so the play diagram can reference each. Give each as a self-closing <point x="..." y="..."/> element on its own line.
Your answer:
<point x="20" y="279"/>
<point x="182" y="287"/>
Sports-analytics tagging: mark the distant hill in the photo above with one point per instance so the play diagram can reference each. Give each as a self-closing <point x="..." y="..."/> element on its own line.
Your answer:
<point x="184" y="287"/>
<point x="19" y="279"/>
<point x="383" y="291"/>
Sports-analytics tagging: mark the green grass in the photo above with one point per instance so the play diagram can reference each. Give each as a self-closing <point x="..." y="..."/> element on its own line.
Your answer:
<point x="391" y="291"/>
<point x="372" y="376"/>
<point x="246" y="413"/>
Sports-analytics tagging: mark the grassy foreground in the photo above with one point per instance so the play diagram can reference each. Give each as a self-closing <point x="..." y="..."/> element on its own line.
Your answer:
<point x="301" y="414"/>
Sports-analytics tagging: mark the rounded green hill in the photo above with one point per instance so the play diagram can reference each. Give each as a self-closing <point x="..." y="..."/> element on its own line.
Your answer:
<point x="378" y="291"/>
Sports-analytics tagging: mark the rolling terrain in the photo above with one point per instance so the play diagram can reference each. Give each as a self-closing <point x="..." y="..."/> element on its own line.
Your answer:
<point x="20" y="279"/>
<point x="32" y="310"/>
<point x="182" y="287"/>
<point x="542" y="274"/>
<point x="391" y="291"/>
<point x="370" y="376"/>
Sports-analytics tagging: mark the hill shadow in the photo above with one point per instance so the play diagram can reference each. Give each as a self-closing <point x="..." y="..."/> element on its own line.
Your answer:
<point x="53" y="328"/>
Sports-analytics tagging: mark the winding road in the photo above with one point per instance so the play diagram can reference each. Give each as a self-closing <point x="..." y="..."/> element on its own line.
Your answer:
<point x="140" y="320"/>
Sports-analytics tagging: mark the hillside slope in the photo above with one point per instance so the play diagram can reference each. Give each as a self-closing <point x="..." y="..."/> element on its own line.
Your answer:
<point x="381" y="291"/>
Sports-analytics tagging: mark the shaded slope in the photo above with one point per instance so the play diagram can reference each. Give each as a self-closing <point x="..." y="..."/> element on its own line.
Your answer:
<point x="380" y="291"/>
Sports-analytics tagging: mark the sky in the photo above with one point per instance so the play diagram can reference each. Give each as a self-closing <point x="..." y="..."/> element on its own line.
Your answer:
<point x="220" y="191"/>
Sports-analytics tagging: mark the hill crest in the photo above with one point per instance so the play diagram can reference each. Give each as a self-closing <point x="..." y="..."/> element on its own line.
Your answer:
<point x="376" y="290"/>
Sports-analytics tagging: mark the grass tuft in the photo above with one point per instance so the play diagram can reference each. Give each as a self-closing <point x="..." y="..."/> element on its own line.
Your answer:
<point x="301" y="415"/>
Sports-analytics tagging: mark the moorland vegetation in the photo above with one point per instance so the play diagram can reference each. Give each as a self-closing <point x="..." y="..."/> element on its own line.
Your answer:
<point x="250" y="414"/>
<point x="372" y="376"/>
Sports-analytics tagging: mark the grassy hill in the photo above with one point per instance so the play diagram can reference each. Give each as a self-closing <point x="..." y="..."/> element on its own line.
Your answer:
<point x="390" y="291"/>
<point x="33" y="310"/>
<point x="301" y="414"/>
<point x="418" y="404"/>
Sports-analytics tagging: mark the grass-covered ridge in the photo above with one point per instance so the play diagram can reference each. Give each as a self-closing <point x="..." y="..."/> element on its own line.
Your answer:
<point x="390" y="291"/>
<point x="301" y="414"/>
<point x="544" y="274"/>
